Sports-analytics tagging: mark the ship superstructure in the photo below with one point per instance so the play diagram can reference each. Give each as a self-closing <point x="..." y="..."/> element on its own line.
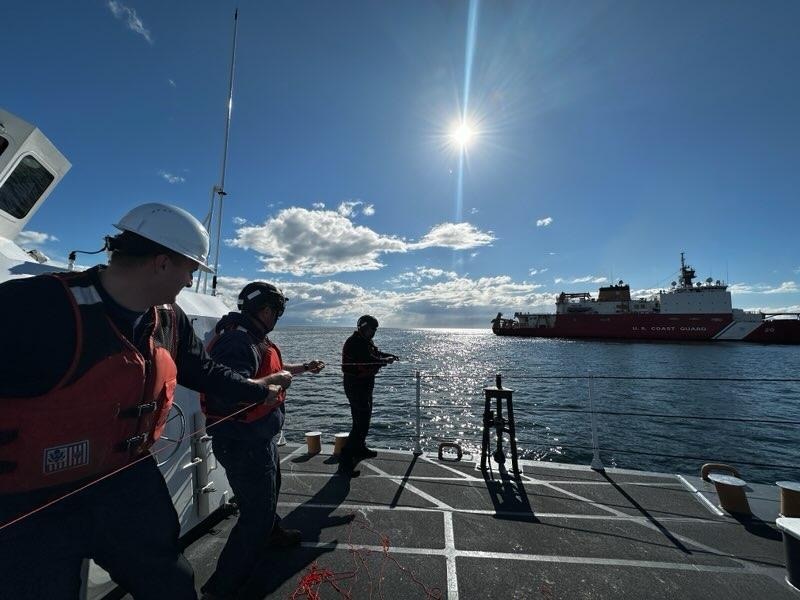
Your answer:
<point x="686" y="311"/>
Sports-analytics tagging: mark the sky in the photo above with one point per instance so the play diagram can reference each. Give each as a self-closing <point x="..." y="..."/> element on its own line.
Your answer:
<point x="607" y="138"/>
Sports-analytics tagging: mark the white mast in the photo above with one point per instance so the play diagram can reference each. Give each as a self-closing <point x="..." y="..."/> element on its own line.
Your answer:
<point x="219" y="190"/>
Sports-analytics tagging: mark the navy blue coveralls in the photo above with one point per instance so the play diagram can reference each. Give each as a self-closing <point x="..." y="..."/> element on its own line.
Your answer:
<point x="359" y="383"/>
<point x="249" y="453"/>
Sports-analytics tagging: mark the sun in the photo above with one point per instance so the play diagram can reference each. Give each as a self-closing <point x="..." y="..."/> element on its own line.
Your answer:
<point x="462" y="134"/>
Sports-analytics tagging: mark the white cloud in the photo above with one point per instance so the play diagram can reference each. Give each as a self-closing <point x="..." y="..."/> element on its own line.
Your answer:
<point x="239" y="220"/>
<point x="348" y="208"/>
<point x="132" y="20"/>
<point x="172" y="178"/>
<point x="448" y="300"/>
<point x="459" y="236"/>
<point x="797" y="271"/>
<point x="319" y="242"/>
<point x="585" y="279"/>
<point x="318" y="205"/>
<point x="422" y="273"/>
<point x="369" y="210"/>
<point x="544" y="222"/>
<point x="34" y="238"/>
<point x="473" y="211"/>
<point x="538" y="271"/>
<point x="324" y="242"/>
<point x="172" y="82"/>
<point x="787" y="287"/>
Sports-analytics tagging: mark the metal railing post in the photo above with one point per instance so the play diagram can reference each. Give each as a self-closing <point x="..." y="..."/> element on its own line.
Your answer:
<point x="597" y="462"/>
<point x="417" y="448"/>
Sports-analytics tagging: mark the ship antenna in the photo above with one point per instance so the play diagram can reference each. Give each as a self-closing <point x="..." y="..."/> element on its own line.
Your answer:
<point x="219" y="189"/>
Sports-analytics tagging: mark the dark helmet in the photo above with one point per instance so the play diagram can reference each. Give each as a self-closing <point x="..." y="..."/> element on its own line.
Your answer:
<point x="367" y="320"/>
<point x="258" y="294"/>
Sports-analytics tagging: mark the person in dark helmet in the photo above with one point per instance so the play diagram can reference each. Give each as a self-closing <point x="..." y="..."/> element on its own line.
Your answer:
<point x="361" y="361"/>
<point x="88" y="373"/>
<point x="245" y="443"/>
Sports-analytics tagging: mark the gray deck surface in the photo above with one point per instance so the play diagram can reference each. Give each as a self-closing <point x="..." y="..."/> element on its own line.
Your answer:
<point x="418" y="528"/>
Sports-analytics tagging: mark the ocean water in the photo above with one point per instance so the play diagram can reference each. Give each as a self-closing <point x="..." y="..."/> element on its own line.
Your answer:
<point x="551" y="415"/>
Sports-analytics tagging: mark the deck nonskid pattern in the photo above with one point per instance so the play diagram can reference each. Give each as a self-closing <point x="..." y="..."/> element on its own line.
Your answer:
<point x="560" y="533"/>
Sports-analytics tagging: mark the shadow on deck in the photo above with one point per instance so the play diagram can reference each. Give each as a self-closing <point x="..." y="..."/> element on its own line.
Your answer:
<point x="418" y="528"/>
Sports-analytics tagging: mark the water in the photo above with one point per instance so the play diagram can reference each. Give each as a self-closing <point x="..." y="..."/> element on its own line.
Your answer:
<point x="458" y="363"/>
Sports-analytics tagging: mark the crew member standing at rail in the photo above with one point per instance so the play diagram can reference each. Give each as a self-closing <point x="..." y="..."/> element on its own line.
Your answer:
<point x="88" y="369"/>
<point x="361" y="361"/>
<point x="245" y="444"/>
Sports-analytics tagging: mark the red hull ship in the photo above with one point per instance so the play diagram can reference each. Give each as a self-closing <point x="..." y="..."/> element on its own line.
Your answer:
<point x="687" y="311"/>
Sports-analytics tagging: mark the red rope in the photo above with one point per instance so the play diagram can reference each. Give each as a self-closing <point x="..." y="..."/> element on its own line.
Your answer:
<point x="311" y="583"/>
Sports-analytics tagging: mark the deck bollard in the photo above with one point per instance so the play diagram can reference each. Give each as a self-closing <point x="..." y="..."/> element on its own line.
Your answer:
<point x="339" y="441"/>
<point x="791" y="544"/>
<point x="790" y="498"/>
<point x="729" y="488"/>
<point x="313" y="442"/>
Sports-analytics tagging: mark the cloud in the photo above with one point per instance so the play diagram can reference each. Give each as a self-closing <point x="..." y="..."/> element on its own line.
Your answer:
<point x="410" y="278"/>
<point x="538" y="271"/>
<point x="239" y="220"/>
<point x="544" y="222"/>
<point x="323" y="242"/>
<point x="585" y="279"/>
<point x="172" y="178"/>
<point x="473" y="211"/>
<point x="319" y="242"/>
<point x="787" y="287"/>
<point x="459" y="236"/>
<point x="348" y="208"/>
<point x="34" y="238"/>
<point x="172" y="82"/>
<point x="792" y="308"/>
<point x="132" y="20"/>
<point x="444" y="300"/>
<point x="318" y="205"/>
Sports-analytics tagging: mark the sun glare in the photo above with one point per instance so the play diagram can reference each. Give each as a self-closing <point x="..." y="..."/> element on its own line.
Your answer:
<point x="462" y="135"/>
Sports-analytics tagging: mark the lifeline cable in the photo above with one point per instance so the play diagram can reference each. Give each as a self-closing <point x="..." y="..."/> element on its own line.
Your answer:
<point x="148" y="454"/>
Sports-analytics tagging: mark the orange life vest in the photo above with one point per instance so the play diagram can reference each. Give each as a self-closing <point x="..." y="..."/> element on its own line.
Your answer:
<point x="270" y="362"/>
<point x="106" y="411"/>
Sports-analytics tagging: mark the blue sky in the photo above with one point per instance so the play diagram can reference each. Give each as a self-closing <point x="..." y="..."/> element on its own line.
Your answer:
<point x="610" y="136"/>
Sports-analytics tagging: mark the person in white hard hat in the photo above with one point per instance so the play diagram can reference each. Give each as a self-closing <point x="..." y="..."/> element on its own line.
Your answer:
<point x="88" y="369"/>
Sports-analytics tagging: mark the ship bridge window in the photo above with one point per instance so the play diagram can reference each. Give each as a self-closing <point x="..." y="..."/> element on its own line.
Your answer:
<point x="3" y="144"/>
<point x="24" y="187"/>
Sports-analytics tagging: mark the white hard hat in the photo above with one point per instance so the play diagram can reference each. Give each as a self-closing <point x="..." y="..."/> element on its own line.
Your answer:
<point x="170" y="226"/>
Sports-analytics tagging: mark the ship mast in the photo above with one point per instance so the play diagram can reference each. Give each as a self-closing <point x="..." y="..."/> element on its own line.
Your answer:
<point x="218" y="191"/>
<point x="687" y="273"/>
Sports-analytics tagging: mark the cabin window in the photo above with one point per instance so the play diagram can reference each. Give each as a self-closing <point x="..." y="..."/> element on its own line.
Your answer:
<point x="24" y="187"/>
<point x="3" y="144"/>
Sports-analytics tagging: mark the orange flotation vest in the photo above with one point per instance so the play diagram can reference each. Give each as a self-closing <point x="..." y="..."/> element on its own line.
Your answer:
<point x="107" y="410"/>
<point x="270" y="361"/>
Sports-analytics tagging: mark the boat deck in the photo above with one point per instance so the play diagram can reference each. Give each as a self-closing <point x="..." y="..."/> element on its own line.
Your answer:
<point x="415" y="527"/>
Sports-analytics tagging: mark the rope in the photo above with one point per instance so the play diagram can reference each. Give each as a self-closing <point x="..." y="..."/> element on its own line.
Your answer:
<point x="309" y="584"/>
<point x="145" y="456"/>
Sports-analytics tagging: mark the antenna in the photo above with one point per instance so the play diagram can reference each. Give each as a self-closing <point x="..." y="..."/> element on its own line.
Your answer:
<point x="219" y="189"/>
